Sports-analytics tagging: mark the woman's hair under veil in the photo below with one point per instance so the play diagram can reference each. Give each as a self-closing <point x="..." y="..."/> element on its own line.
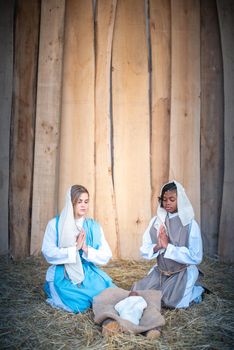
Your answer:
<point x="76" y="191"/>
<point x="171" y="186"/>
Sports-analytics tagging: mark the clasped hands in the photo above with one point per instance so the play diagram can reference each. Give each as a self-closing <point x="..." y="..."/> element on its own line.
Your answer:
<point x="81" y="241"/>
<point x="162" y="239"/>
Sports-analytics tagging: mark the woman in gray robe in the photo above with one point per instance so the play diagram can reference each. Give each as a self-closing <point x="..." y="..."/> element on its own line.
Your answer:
<point x="173" y="238"/>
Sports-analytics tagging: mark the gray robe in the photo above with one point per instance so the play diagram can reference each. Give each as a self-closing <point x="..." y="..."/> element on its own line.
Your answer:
<point x="168" y="276"/>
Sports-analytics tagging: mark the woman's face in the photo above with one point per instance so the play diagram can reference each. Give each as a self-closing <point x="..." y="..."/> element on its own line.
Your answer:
<point x="81" y="206"/>
<point x="169" y="201"/>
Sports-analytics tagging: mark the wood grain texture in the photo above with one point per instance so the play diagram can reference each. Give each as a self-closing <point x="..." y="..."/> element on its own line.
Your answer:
<point x="160" y="34"/>
<point x="185" y="98"/>
<point x="105" y="206"/>
<point x="27" y="14"/>
<point x="6" y="72"/>
<point x="77" y="118"/>
<point x="226" y="20"/>
<point x="131" y="126"/>
<point x="212" y="126"/>
<point x="45" y="181"/>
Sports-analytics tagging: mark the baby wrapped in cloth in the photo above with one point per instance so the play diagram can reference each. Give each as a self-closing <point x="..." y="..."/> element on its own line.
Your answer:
<point x="134" y="314"/>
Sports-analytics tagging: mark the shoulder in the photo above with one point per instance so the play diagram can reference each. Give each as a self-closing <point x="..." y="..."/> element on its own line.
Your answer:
<point x="52" y="222"/>
<point x="194" y="224"/>
<point x="93" y="222"/>
<point x="152" y="220"/>
<point x="150" y="224"/>
<point x="194" y="228"/>
<point x="51" y="225"/>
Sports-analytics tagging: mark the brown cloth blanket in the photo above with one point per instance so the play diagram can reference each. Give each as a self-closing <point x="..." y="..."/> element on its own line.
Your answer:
<point x="104" y="303"/>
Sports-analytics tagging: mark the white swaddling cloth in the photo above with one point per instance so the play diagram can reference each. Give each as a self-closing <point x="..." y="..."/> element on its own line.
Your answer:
<point x="184" y="208"/>
<point x="68" y="232"/>
<point x="131" y="308"/>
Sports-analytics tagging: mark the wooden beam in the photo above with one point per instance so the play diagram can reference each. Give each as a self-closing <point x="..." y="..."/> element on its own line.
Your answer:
<point x="160" y="34"/>
<point x="185" y="98"/>
<point x="77" y="118"/>
<point x="131" y="125"/>
<point x="226" y="20"/>
<point x="212" y="126"/>
<point x="6" y="73"/>
<point x="27" y="15"/>
<point x="105" y="206"/>
<point x="45" y="180"/>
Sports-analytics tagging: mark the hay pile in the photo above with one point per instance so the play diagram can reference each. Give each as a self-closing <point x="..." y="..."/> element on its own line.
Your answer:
<point x="27" y="322"/>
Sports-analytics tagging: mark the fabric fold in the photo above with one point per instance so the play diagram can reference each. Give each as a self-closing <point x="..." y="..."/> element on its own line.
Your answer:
<point x="68" y="232"/>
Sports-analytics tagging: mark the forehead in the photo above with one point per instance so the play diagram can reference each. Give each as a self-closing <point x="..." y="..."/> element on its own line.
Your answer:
<point x="168" y="194"/>
<point x="83" y="196"/>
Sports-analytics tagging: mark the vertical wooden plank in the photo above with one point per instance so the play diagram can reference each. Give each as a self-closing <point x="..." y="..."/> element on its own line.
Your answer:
<point x="226" y="20"/>
<point x="22" y="125"/>
<point x="77" y="118"/>
<point x="105" y="206"/>
<point x="212" y="126"/>
<point x="131" y="125"/>
<point x="160" y="34"/>
<point x="45" y="180"/>
<point x="185" y="98"/>
<point x="6" y="70"/>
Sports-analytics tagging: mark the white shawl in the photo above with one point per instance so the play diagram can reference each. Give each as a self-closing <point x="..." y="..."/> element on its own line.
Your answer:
<point x="68" y="232"/>
<point x="184" y="208"/>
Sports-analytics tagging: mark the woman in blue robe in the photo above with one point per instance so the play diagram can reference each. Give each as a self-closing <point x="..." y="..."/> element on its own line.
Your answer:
<point x="74" y="244"/>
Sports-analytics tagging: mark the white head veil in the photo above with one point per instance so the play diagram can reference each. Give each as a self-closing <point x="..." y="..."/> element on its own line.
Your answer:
<point x="68" y="232"/>
<point x="184" y="207"/>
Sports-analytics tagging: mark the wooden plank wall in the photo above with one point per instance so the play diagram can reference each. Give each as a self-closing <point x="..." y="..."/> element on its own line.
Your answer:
<point x="127" y="94"/>
<point x="77" y="116"/>
<point x="212" y="126"/>
<point x="6" y="71"/>
<point x="22" y="125"/>
<point x="131" y="125"/>
<point x="185" y="98"/>
<point x="160" y="38"/>
<point x="105" y="203"/>
<point x="45" y="177"/>
<point x="226" y="20"/>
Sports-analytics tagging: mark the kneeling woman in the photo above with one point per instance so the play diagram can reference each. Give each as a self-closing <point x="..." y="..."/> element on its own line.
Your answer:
<point x="173" y="237"/>
<point x="73" y="244"/>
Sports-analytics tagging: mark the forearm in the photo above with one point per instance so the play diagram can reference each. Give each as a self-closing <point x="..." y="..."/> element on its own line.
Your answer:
<point x="183" y="255"/>
<point x="52" y="253"/>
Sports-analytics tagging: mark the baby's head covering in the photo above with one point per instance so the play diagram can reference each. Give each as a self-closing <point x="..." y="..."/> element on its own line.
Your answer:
<point x="68" y="232"/>
<point x="184" y="207"/>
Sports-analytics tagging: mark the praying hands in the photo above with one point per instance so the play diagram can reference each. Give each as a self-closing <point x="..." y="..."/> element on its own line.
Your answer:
<point x="162" y="239"/>
<point x="81" y="241"/>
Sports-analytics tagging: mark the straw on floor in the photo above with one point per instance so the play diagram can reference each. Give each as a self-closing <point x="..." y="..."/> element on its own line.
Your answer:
<point x="27" y="322"/>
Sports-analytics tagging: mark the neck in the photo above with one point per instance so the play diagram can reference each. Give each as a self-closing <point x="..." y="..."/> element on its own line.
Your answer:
<point x="79" y="217"/>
